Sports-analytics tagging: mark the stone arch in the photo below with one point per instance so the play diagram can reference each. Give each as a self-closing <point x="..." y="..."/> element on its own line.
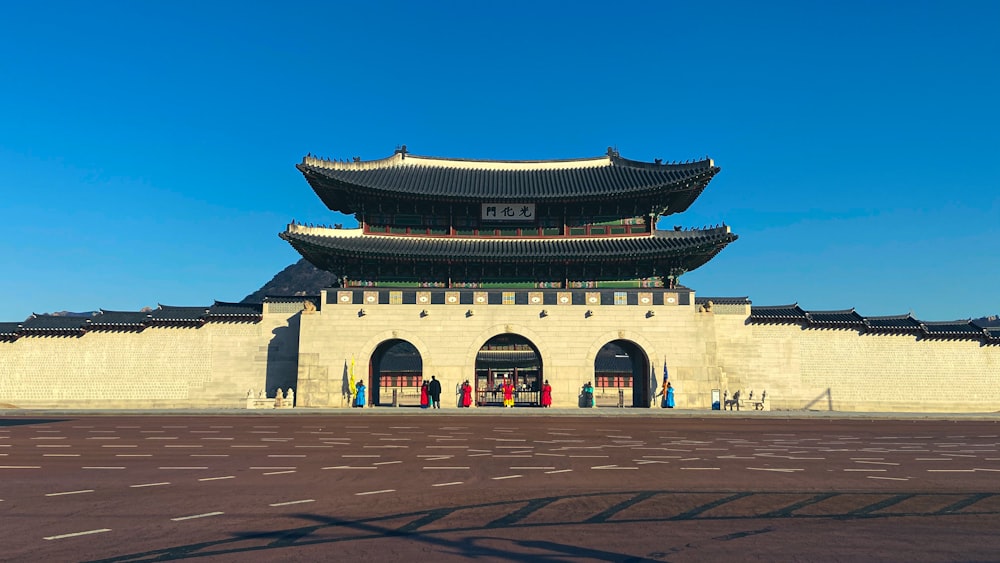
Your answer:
<point x="639" y="361"/>
<point x="373" y="354"/>
<point x="522" y="365"/>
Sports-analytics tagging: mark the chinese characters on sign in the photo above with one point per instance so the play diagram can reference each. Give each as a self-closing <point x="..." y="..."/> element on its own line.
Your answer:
<point x="520" y="212"/>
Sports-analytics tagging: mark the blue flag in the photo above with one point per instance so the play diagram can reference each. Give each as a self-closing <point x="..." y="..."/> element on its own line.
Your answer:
<point x="665" y="376"/>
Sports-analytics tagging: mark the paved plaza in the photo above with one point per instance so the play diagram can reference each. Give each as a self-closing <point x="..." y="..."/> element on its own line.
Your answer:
<point x="515" y="485"/>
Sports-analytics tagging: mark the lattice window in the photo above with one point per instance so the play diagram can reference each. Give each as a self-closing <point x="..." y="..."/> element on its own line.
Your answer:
<point x="621" y="298"/>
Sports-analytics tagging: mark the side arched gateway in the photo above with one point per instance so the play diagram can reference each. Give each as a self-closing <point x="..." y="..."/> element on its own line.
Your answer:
<point x="621" y="372"/>
<point x="396" y="366"/>
<point x="512" y="358"/>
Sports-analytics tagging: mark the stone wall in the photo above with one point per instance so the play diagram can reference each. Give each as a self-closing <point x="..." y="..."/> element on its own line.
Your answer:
<point x="180" y="367"/>
<point x="311" y="350"/>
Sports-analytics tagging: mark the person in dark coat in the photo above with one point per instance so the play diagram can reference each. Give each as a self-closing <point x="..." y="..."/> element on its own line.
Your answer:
<point x="434" y="390"/>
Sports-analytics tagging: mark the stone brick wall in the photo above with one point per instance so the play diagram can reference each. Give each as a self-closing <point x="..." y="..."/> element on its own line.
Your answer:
<point x="310" y="351"/>
<point x="210" y="366"/>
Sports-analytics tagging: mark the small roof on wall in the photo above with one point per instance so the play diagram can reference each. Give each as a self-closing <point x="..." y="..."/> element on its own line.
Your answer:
<point x="894" y="324"/>
<point x="343" y="185"/>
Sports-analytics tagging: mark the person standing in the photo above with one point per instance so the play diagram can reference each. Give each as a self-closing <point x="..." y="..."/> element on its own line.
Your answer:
<point x="359" y="400"/>
<point x="424" y="396"/>
<point x="663" y="394"/>
<point x="434" y="390"/>
<point x="466" y="397"/>
<point x="546" y="394"/>
<point x="508" y="393"/>
<point x="669" y="399"/>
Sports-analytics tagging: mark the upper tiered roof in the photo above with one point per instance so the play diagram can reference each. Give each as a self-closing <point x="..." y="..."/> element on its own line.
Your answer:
<point x="667" y="188"/>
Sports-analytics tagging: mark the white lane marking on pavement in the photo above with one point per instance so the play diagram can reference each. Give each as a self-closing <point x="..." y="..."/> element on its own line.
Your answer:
<point x="530" y="467"/>
<point x="120" y="446"/>
<point x="286" y="455"/>
<point x="777" y="469"/>
<point x="209" y="455"/>
<point x="550" y="455"/>
<point x="160" y="484"/>
<point x="57" y="455"/>
<point x="217" y="478"/>
<point x="75" y="534"/>
<point x="182" y="467"/>
<point x="867" y="470"/>
<point x="444" y="467"/>
<point x="477" y="455"/>
<point x="877" y="462"/>
<point x="133" y="455"/>
<point x="698" y="468"/>
<point x="350" y="467"/>
<point x="375" y="492"/>
<point x="292" y="502"/>
<point x="386" y="462"/>
<point x="447" y="484"/>
<point x="951" y="470"/>
<point x="888" y="478"/>
<point x="594" y="456"/>
<point x="278" y="472"/>
<point x="506" y="477"/>
<point x="102" y="467"/>
<point x="983" y="469"/>
<point x="69" y="493"/>
<point x="193" y="516"/>
<point x="558" y="471"/>
<point x="361" y="455"/>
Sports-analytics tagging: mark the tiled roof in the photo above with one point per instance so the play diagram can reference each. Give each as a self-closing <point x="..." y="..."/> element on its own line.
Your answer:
<point x="342" y="184"/>
<point x="54" y="325"/>
<point x="165" y="314"/>
<point x="849" y="318"/>
<point x="693" y="248"/>
<point x="777" y="314"/>
<point x="722" y="300"/>
<point x="894" y="323"/>
<point x="846" y="317"/>
<point x="221" y="311"/>
<point x="119" y="320"/>
<point x="9" y="331"/>
<point x="951" y="329"/>
<point x="992" y="334"/>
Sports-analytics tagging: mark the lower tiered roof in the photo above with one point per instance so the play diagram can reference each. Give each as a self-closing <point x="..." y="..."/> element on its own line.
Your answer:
<point x="351" y="253"/>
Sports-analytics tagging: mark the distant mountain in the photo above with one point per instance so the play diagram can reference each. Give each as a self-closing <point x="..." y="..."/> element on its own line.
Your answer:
<point x="301" y="278"/>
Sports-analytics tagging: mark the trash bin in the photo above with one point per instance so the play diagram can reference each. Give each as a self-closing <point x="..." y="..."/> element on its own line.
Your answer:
<point x="716" y="400"/>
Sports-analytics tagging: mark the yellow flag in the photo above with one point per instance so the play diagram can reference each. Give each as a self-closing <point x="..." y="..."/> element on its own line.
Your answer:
<point x="350" y="382"/>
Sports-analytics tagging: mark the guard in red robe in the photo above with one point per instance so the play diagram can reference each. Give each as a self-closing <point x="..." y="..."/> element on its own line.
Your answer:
<point x="546" y="394"/>
<point x="425" y="400"/>
<point x="508" y="393"/>
<point x="466" y="395"/>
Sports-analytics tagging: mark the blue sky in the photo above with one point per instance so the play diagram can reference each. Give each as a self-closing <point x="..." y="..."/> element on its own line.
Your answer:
<point x="147" y="149"/>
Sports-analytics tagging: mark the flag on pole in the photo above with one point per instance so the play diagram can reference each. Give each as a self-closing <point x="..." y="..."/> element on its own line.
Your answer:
<point x="665" y="376"/>
<point x="350" y="380"/>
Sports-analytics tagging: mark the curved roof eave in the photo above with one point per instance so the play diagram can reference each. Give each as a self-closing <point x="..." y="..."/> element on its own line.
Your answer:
<point x="341" y="184"/>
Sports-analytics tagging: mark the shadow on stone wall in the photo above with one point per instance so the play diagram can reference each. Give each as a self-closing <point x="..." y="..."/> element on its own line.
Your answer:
<point x="829" y="401"/>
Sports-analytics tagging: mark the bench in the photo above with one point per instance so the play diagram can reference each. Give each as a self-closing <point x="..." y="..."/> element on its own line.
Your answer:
<point x="738" y="402"/>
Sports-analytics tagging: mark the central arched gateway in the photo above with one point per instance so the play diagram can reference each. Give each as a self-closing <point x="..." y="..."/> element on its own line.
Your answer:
<point x="513" y="357"/>
<point x="621" y="370"/>
<point x="396" y="365"/>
